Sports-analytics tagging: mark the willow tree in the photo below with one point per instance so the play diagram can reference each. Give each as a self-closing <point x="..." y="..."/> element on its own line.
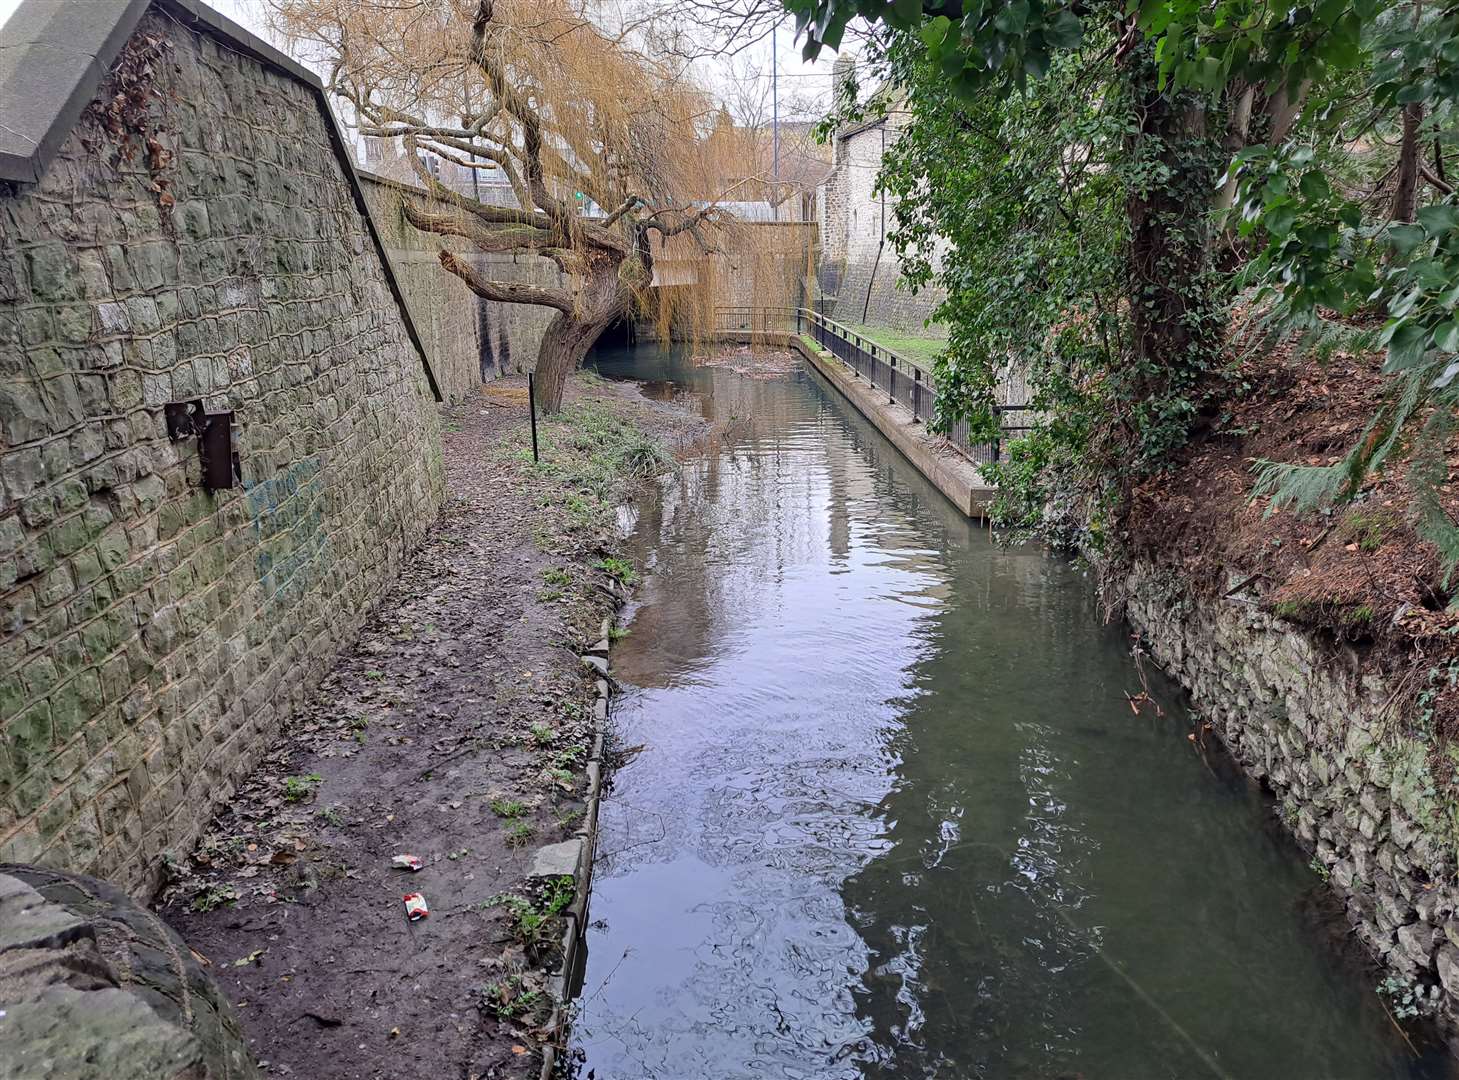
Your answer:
<point x="603" y="147"/>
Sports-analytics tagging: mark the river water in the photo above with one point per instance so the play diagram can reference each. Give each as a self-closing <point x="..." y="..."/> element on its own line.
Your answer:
<point x="893" y="816"/>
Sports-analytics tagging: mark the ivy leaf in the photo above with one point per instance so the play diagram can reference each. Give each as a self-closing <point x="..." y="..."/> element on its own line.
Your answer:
<point x="1279" y="221"/>
<point x="1036" y="62"/>
<point x="1407" y="346"/>
<point x="1414" y="92"/>
<point x="935" y="32"/>
<point x="1064" y="30"/>
<point x="1430" y="273"/>
<point x="909" y="12"/>
<point x="1439" y="218"/>
<point x="1399" y="307"/>
<point x="1012" y="19"/>
<point x="1446" y="337"/>
<point x="1313" y="186"/>
<point x="1405" y="238"/>
<point x="832" y="36"/>
<point x="1387" y="69"/>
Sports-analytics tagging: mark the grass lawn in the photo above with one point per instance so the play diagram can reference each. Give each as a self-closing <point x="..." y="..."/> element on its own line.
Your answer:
<point x="918" y="348"/>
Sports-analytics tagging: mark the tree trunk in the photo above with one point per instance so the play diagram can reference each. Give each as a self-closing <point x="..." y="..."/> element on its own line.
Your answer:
<point x="1405" y="192"/>
<point x="1238" y="124"/>
<point x="602" y="299"/>
<point x="1169" y="241"/>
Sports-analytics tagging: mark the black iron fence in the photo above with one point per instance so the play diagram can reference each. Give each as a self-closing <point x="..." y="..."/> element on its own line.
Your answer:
<point x="748" y="320"/>
<point x="903" y="381"/>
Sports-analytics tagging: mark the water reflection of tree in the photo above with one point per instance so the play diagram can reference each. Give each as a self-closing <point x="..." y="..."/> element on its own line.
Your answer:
<point x="973" y="969"/>
<point x="722" y="529"/>
<point x="779" y="486"/>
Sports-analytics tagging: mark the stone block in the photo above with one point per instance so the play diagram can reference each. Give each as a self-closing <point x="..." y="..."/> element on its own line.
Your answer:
<point x="1446" y="963"/>
<point x="24" y="415"/>
<point x="556" y="860"/>
<point x="28" y="738"/>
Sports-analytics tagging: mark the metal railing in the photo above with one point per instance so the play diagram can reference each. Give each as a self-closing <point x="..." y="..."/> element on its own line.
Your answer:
<point x="903" y="381"/>
<point x="749" y="320"/>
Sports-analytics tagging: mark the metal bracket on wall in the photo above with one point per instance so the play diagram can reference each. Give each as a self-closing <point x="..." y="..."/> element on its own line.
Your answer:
<point x="214" y="433"/>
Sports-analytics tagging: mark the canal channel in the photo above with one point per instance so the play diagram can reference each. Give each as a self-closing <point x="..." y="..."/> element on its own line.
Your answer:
<point x="887" y="812"/>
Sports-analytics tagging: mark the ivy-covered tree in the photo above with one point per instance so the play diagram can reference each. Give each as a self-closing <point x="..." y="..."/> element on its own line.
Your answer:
<point x="1331" y="122"/>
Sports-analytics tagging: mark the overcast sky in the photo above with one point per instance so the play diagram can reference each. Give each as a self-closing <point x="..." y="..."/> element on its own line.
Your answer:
<point x="810" y="83"/>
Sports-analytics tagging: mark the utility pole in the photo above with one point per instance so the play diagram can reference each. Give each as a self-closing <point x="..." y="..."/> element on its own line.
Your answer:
<point x="775" y="119"/>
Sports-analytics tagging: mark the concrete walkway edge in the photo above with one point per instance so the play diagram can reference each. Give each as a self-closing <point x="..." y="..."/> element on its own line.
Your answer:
<point x="586" y="839"/>
<point x="951" y="473"/>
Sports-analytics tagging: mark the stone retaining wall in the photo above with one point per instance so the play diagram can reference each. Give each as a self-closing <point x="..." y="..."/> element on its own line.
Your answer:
<point x="859" y="265"/>
<point x="470" y="340"/>
<point x="156" y="635"/>
<point x="1350" y="780"/>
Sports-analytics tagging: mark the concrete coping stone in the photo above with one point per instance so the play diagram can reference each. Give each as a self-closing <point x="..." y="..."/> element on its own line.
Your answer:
<point x="556" y="860"/>
<point x="29" y="921"/>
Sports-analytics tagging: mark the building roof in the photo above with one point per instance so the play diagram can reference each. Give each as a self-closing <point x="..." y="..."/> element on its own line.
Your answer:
<point x="54" y="54"/>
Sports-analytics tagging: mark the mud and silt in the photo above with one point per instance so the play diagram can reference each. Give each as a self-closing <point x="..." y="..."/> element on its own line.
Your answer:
<point x="456" y="730"/>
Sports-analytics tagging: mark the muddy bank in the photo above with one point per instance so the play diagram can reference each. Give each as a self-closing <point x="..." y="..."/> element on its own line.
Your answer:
<point x="457" y="730"/>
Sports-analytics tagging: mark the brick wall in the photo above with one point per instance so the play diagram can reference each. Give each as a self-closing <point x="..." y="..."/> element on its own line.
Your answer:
<point x="153" y="636"/>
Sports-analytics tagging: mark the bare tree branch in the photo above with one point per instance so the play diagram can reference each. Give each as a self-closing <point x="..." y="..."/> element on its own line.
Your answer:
<point x="506" y="292"/>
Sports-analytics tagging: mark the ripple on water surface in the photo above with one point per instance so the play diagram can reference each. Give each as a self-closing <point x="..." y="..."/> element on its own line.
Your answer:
<point x="893" y="817"/>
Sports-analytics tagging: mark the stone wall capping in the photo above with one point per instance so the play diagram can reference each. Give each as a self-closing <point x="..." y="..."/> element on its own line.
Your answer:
<point x="53" y="55"/>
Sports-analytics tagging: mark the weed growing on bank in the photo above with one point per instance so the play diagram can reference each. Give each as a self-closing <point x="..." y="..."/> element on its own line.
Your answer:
<point x="534" y="920"/>
<point x="594" y="458"/>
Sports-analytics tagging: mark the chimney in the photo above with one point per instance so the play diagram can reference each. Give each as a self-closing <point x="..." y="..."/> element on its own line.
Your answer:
<point x="840" y="75"/>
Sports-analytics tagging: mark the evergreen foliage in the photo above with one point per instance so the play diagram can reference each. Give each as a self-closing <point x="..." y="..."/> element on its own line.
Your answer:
<point x="1069" y="160"/>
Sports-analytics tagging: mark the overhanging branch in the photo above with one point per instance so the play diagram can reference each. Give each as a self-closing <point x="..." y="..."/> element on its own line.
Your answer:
<point x="506" y="292"/>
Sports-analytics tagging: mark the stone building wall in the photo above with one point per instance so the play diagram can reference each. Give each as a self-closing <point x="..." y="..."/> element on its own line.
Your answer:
<point x="1350" y="781"/>
<point x="153" y="635"/>
<point x="470" y="340"/>
<point x="859" y="264"/>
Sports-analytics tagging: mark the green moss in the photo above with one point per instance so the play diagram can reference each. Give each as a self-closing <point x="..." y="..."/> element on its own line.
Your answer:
<point x="1293" y="610"/>
<point x="1370" y="528"/>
